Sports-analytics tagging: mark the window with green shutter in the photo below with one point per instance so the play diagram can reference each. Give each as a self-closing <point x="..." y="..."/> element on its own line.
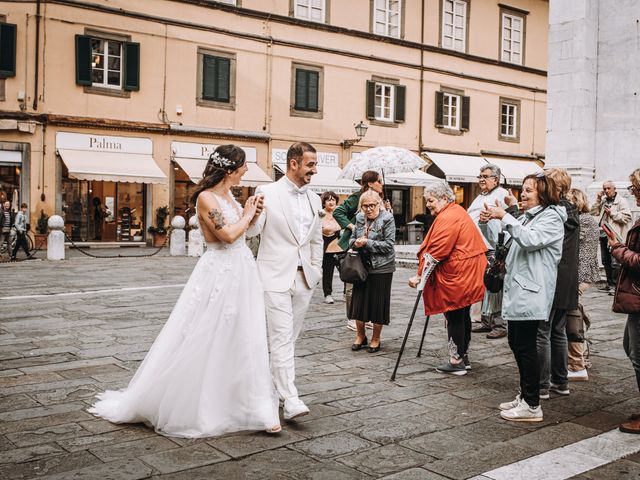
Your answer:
<point x="386" y="101"/>
<point x="216" y="78"/>
<point x="7" y="50"/>
<point x="307" y="90"/>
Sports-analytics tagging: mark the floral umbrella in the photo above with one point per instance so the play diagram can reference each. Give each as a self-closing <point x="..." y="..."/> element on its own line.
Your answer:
<point x="386" y="160"/>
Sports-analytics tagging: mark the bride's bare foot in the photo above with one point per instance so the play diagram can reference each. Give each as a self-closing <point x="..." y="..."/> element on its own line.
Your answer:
<point x="274" y="429"/>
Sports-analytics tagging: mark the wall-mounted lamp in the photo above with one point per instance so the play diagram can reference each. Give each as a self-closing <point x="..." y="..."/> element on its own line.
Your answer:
<point x="361" y="131"/>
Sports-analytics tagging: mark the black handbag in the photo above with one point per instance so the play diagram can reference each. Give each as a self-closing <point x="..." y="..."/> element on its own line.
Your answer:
<point x="496" y="270"/>
<point x="351" y="267"/>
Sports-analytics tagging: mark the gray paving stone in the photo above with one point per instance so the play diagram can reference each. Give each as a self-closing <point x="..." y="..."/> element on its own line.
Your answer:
<point x="414" y="474"/>
<point x="327" y="470"/>
<point x="94" y="441"/>
<point x="185" y="458"/>
<point x="440" y="444"/>
<point x="133" y="449"/>
<point x="19" y="455"/>
<point x="243" y="444"/>
<point x="47" y="434"/>
<point x="48" y="466"/>
<point x="128" y="469"/>
<point x="334" y="445"/>
<point x="385" y="460"/>
<point x="44" y="421"/>
<point x="393" y="431"/>
<point x="17" y="402"/>
<point x="40" y="411"/>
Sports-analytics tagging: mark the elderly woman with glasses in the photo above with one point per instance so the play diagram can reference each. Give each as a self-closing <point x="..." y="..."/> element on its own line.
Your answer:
<point x="374" y="236"/>
<point x="452" y="257"/>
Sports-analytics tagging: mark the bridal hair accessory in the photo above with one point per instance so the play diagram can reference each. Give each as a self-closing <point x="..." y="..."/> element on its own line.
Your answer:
<point x="220" y="161"/>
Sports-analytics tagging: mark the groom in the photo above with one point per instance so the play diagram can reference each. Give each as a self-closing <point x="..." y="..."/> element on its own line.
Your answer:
<point x="289" y="264"/>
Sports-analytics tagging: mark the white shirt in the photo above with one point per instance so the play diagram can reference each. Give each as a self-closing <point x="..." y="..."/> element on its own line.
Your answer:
<point x="489" y="198"/>
<point x="300" y="207"/>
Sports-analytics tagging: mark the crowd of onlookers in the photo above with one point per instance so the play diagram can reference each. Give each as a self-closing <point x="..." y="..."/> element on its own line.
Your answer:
<point x="14" y="227"/>
<point x="548" y="240"/>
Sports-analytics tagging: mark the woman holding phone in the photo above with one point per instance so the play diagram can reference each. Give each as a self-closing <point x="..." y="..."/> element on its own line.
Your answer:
<point x="627" y="294"/>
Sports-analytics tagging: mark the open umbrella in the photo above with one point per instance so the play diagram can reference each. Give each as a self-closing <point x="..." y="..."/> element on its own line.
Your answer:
<point x="386" y="160"/>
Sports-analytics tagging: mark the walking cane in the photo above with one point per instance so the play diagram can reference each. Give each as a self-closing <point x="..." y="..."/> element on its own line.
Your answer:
<point x="420" y="287"/>
<point x="424" y="332"/>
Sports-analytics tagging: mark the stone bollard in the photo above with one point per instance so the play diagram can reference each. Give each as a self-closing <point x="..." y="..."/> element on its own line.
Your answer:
<point x="196" y="242"/>
<point x="178" y="247"/>
<point x="55" y="240"/>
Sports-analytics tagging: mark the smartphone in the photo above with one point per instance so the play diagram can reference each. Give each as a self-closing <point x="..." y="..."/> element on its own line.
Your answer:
<point x="607" y="228"/>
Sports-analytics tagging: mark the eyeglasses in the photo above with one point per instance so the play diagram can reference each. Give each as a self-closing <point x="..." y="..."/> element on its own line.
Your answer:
<point x="486" y="176"/>
<point x="369" y="206"/>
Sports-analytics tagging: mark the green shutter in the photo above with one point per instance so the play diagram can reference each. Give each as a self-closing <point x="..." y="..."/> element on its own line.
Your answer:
<point x="301" y="89"/>
<point x="312" y="91"/>
<point x="439" y="109"/>
<point x="208" y="77"/>
<point x="371" y="100"/>
<point x="223" y="67"/>
<point x="131" y="66"/>
<point x="7" y="50"/>
<point x="466" y="101"/>
<point x="401" y="94"/>
<point x="83" y="60"/>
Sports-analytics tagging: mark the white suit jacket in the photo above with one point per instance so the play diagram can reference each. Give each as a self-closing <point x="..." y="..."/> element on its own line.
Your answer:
<point x="280" y="245"/>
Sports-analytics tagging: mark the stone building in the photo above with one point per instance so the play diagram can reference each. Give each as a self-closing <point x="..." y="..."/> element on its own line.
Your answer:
<point x="109" y="109"/>
<point x="593" y="92"/>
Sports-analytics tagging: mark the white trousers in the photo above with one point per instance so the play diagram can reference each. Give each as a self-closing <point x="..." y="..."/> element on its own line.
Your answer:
<point x="285" y="315"/>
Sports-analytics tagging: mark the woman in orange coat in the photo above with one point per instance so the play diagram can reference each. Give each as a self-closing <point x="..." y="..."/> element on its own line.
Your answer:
<point x="453" y="259"/>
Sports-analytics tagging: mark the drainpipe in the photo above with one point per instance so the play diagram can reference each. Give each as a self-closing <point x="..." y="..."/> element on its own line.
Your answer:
<point x="420" y="145"/>
<point x="35" y="85"/>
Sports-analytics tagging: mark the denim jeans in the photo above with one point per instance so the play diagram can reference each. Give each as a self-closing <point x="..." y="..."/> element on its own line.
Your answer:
<point x="631" y="342"/>
<point x="522" y="340"/>
<point x="553" y="349"/>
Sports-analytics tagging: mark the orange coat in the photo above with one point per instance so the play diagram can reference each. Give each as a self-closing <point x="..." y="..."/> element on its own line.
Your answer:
<point x="457" y="281"/>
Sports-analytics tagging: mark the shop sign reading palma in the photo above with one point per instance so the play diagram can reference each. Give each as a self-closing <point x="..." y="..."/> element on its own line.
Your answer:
<point x="103" y="143"/>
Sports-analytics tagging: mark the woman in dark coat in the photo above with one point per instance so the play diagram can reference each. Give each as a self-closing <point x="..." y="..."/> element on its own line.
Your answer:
<point x="627" y="295"/>
<point x="552" y="335"/>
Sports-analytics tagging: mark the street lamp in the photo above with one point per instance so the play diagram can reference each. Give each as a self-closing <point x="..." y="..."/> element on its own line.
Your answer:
<point x="361" y="131"/>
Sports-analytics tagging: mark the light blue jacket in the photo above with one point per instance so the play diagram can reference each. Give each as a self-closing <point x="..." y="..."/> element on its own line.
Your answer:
<point x="381" y="238"/>
<point x="532" y="261"/>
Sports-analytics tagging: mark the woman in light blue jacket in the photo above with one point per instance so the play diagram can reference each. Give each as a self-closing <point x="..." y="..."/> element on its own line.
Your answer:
<point x="535" y="249"/>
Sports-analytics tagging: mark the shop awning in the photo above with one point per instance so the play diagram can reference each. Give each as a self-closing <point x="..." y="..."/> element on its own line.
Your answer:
<point x="194" y="167"/>
<point x="10" y="157"/>
<point x="112" y="167"/>
<point x="455" y="168"/>
<point x="514" y="171"/>
<point x="416" y="178"/>
<point x="326" y="180"/>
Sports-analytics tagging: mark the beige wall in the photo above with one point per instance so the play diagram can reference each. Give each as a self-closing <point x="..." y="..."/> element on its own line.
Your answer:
<point x="263" y="83"/>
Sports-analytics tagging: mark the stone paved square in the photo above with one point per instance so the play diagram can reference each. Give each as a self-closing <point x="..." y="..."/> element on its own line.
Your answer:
<point x="71" y="329"/>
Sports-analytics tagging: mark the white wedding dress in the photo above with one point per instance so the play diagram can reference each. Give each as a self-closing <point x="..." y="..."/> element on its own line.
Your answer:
<point x="207" y="373"/>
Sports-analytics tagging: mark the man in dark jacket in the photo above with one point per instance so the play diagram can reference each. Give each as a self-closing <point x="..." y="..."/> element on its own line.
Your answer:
<point x="7" y="221"/>
<point x="552" y="335"/>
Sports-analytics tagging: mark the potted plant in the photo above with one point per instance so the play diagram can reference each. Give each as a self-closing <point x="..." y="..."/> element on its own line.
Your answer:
<point x="42" y="228"/>
<point x="159" y="230"/>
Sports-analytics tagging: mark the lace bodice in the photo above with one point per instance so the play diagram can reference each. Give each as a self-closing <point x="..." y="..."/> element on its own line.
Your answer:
<point x="232" y="212"/>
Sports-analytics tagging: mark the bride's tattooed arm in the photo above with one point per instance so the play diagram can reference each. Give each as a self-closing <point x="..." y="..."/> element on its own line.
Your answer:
<point x="217" y="218"/>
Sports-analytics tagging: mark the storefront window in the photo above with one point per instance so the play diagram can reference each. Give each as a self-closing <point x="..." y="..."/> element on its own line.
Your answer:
<point x="103" y="211"/>
<point x="10" y="185"/>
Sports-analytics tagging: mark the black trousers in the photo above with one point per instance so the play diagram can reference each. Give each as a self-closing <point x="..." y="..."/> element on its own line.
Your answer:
<point x="523" y="342"/>
<point x="21" y="241"/>
<point x="328" y="267"/>
<point x="459" y="331"/>
<point x="607" y="261"/>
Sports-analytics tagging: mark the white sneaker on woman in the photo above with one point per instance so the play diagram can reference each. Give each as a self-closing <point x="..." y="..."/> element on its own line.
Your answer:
<point x="579" y="376"/>
<point x="511" y="404"/>
<point x="523" y="413"/>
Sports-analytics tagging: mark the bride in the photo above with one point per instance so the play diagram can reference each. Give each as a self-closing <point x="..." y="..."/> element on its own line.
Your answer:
<point x="207" y="373"/>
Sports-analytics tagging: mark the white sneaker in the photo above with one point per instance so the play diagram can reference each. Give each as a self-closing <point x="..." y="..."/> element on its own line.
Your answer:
<point x="294" y="408"/>
<point x="579" y="376"/>
<point x="328" y="299"/>
<point x="523" y="413"/>
<point x="351" y="325"/>
<point x="511" y="404"/>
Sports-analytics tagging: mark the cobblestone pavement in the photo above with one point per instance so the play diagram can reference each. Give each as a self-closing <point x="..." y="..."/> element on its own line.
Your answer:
<point x="88" y="324"/>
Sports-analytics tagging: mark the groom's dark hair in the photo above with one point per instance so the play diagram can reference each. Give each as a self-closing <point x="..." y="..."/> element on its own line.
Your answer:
<point x="297" y="150"/>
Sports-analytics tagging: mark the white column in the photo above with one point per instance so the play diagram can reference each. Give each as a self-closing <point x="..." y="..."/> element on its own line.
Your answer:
<point x="55" y="240"/>
<point x="178" y="247"/>
<point x="196" y="241"/>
